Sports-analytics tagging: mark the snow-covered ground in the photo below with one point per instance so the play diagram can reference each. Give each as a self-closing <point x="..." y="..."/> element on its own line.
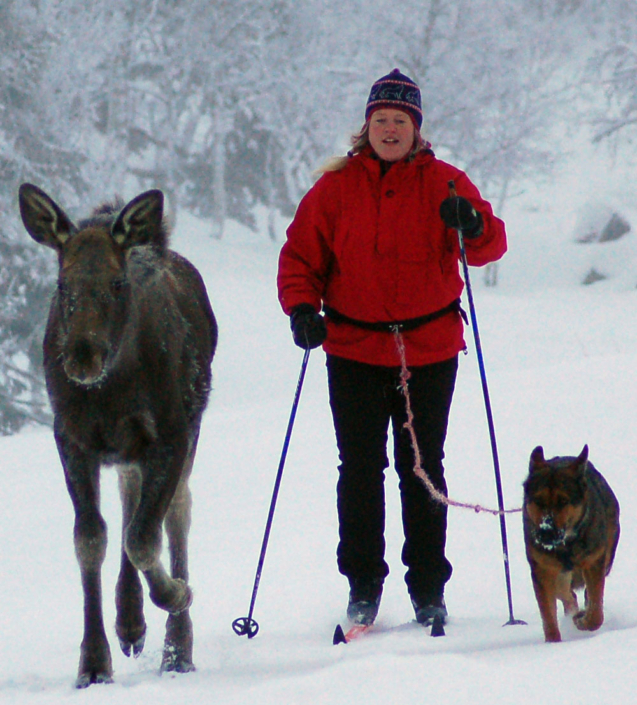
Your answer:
<point x="561" y="361"/>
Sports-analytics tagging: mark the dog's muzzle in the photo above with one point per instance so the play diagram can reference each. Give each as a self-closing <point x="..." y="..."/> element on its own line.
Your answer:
<point x="547" y="536"/>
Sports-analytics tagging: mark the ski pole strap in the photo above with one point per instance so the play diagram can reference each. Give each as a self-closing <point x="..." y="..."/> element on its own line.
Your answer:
<point x="391" y="326"/>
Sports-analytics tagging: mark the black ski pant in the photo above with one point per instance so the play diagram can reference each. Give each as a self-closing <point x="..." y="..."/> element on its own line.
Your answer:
<point x="364" y="399"/>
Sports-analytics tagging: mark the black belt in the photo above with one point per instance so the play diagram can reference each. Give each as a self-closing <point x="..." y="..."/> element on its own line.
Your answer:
<point x="391" y="326"/>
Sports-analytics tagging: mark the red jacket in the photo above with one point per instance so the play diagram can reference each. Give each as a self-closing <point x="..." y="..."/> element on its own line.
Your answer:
<point x="375" y="249"/>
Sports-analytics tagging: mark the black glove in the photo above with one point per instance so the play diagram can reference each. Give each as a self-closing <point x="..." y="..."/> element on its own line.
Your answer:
<point x="308" y="327"/>
<point x="459" y="214"/>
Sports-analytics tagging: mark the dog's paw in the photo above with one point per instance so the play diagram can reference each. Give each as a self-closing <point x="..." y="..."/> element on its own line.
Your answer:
<point x="588" y="621"/>
<point x="552" y="636"/>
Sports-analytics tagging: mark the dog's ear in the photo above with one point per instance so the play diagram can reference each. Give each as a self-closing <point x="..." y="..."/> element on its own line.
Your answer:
<point x="581" y="463"/>
<point x="537" y="459"/>
<point x="583" y="456"/>
<point x="577" y="468"/>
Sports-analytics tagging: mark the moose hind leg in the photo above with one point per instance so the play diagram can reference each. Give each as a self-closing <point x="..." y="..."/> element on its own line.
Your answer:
<point x="178" y="644"/>
<point x="130" y="624"/>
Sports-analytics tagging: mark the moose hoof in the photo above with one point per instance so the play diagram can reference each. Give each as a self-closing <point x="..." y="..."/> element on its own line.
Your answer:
<point x="174" y="662"/>
<point x="93" y="677"/>
<point x="133" y="647"/>
<point x="95" y="662"/>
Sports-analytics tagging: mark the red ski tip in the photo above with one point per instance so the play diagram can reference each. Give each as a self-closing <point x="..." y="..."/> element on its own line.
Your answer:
<point x="357" y="630"/>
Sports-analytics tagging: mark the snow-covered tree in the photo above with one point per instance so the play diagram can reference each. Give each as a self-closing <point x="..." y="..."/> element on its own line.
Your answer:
<point x="31" y="149"/>
<point x="232" y="104"/>
<point x="613" y="69"/>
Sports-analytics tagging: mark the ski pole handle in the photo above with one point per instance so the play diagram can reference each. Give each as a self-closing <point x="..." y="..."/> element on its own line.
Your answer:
<point x="454" y="194"/>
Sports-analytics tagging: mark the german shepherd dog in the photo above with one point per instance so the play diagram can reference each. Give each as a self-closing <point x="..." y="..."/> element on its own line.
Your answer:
<point x="571" y="530"/>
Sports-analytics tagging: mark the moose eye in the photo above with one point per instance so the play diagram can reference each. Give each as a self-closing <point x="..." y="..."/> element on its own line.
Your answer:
<point x="117" y="285"/>
<point x="67" y="300"/>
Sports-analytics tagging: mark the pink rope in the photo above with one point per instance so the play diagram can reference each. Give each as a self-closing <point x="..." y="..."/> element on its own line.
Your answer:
<point x="438" y="496"/>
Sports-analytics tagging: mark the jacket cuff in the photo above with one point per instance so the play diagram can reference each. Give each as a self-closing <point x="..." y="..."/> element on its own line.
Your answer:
<point x="476" y="230"/>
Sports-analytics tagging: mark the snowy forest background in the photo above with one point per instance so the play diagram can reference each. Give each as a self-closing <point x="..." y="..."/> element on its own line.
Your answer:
<point x="229" y="105"/>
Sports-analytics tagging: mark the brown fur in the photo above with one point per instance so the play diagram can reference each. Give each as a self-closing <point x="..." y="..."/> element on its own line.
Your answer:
<point x="571" y="530"/>
<point x="127" y="353"/>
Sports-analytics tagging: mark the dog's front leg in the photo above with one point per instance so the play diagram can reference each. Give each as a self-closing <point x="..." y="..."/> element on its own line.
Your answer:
<point x="545" y="585"/>
<point x="592" y="617"/>
<point x="566" y="594"/>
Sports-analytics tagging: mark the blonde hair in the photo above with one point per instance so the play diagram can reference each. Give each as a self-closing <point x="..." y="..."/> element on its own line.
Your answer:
<point x="359" y="141"/>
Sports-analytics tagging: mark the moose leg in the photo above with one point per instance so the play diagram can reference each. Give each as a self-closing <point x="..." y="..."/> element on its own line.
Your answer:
<point x="129" y="597"/>
<point x="82" y="480"/>
<point x="178" y="644"/>
<point x="144" y="532"/>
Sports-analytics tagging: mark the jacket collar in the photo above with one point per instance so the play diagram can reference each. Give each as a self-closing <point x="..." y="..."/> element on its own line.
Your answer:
<point x="369" y="159"/>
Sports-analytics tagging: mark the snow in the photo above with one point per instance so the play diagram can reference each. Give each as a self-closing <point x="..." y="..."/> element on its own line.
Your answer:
<point x="560" y="361"/>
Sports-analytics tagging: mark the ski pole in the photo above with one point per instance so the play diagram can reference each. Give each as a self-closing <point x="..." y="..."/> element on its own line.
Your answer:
<point x="247" y="626"/>
<point x="487" y="404"/>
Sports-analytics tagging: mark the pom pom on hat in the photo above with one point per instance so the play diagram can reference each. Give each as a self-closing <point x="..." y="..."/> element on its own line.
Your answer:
<point x="397" y="91"/>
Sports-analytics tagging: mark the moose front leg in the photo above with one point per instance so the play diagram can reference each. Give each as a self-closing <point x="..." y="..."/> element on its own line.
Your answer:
<point x="95" y="655"/>
<point x="82" y="480"/>
<point x="130" y="624"/>
<point x="161" y="476"/>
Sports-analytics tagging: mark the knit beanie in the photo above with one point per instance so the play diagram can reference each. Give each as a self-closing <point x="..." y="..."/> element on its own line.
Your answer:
<point x="397" y="91"/>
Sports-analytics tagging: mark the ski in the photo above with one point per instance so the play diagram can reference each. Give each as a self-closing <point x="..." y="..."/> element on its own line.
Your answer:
<point x="357" y="631"/>
<point x="354" y="632"/>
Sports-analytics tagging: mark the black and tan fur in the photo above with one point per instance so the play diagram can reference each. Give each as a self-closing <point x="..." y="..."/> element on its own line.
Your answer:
<point x="127" y="352"/>
<point x="571" y="530"/>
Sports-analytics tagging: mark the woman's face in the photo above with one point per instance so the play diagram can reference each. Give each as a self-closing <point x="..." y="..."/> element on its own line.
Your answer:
<point x="391" y="134"/>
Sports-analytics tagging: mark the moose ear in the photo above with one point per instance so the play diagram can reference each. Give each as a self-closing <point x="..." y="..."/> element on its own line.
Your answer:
<point x="44" y="220"/>
<point x="139" y="222"/>
<point x="537" y="458"/>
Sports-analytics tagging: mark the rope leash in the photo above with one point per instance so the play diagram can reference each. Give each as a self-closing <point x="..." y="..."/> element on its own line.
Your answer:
<point x="438" y="496"/>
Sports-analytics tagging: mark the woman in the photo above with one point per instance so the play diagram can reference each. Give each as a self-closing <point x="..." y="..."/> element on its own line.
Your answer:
<point x="374" y="243"/>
